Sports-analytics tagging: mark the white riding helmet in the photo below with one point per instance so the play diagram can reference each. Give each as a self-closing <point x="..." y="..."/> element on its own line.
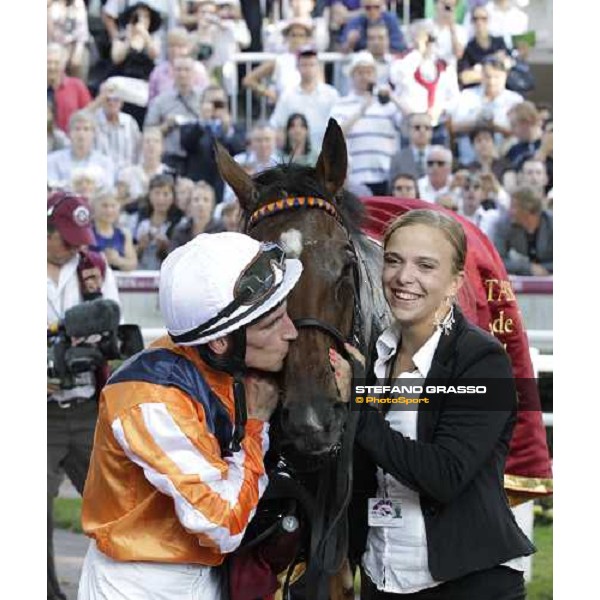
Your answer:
<point x="219" y="282"/>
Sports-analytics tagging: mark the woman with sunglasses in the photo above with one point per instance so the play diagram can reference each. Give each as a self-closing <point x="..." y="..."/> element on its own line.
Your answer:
<point x="177" y="467"/>
<point x="439" y="467"/>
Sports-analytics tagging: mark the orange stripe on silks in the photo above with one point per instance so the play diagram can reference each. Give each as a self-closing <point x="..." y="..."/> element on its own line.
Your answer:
<point x="190" y="486"/>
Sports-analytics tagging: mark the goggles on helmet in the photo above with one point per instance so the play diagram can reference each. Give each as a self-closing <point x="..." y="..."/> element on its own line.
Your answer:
<point x="257" y="282"/>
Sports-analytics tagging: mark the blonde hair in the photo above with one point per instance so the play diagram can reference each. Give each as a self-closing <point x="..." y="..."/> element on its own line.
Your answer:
<point x="452" y="230"/>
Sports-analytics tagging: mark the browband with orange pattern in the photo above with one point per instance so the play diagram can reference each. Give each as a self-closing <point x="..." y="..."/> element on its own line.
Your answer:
<point x="290" y="203"/>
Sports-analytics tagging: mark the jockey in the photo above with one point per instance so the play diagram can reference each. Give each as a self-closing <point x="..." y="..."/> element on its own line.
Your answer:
<point x="177" y="466"/>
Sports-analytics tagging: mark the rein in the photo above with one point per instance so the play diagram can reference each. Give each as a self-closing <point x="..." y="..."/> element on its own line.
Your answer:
<point x="327" y="511"/>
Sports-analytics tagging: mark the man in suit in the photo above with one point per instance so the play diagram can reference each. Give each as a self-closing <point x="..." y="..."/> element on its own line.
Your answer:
<point x="412" y="160"/>
<point x="524" y="240"/>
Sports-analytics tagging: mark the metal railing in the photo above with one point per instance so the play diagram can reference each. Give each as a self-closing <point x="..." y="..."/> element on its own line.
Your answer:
<point x="250" y="60"/>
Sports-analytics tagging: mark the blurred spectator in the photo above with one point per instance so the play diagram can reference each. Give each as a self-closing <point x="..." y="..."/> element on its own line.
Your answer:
<point x="283" y="68"/>
<point x="413" y="158"/>
<point x="533" y="174"/>
<point x="172" y="109"/>
<point x="486" y="151"/>
<point x="153" y="233"/>
<point x="451" y="38"/>
<point x="544" y="110"/>
<point x="311" y="97"/>
<point x="378" y="44"/>
<point x="183" y="192"/>
<point x="66" y="94"/>
<point x="337" y="13"/>
<point x="524" y="238"/>
<point x="187" y="13"/>
<point x="116" y="243"/>
<point x="198" y="216"/>
<point x="162" y="77"/>
<point x="134" y="52"/>
<point x="68" y="26"/>
<point x="545" y="152"/>
<point x="404" y="185"/>
<point x="199" y="136"/>
<point x="426" y="84"/>
<point x="262" y="153"/>
<point x="56" y="139"/>
<point x="354" y="35"/>
<point x="220" y="32"/>
<point x="526" y="127"/>
<point x="482" y="44"/>
<point x="87" y="181"/>
<point x="371" y="124"/>
<point x="117" y="133"/>
<point x="473" y="195"/>
<point x="137" y="177"/>
<point x="297" y="146"/>
<point x="81" y="153"/>
<point x="505" y="19"/>
<point x="231" y="215"/>
<point x="438" y="178"/>
<point x="487" y="104"/>
<point x="303" y="10"/>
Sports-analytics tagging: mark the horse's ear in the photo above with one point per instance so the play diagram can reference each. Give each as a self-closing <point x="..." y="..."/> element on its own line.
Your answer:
<point x="239" y="181"/>
<point x="332" y="164"/>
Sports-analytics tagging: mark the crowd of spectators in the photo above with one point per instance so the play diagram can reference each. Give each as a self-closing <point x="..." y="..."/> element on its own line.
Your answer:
<point x="436" y="109"/>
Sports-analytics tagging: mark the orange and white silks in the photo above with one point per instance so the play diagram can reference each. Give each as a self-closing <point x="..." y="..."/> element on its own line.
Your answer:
<point x="161" y="486"/>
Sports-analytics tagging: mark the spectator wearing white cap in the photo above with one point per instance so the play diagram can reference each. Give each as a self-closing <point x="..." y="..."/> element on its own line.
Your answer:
<point x="283" y="68"/>
<point x="370" y="119"/>
<point x="81" y="153"/>
<point x="177" y="468"/>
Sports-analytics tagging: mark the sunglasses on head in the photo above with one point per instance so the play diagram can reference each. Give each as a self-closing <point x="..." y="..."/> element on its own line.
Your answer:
<point x="259" y="280"/>
<point x="436" y="163"/>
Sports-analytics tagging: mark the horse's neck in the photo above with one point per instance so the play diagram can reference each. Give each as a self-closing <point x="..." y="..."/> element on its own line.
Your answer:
<point x="375" y="311"/>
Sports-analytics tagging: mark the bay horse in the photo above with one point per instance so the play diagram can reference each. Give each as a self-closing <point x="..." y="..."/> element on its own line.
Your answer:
<point x="337" y="300"/>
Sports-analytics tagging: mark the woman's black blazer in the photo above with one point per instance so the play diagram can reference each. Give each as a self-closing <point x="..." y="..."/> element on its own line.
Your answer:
<point x="456" y="464"/>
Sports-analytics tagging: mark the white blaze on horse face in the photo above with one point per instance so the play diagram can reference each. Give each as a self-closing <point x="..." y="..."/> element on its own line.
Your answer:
<point x="291" y="240"/>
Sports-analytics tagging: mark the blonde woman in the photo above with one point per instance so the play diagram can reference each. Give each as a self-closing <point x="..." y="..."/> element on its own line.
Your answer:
<point x="440" y="467"/>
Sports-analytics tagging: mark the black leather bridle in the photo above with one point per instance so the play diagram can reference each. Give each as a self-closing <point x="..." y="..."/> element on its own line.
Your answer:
<point x="327" y="511"/>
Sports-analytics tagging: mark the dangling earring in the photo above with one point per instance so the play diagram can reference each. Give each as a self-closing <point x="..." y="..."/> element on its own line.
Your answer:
<point x="445" y="325"/>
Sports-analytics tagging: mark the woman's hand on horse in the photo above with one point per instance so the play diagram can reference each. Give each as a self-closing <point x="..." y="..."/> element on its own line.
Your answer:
<point x="343" y="370"/>
<point x="262" y="395"/>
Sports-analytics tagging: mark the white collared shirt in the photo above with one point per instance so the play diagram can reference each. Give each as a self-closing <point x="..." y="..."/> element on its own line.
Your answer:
<point x="396" y="558"/>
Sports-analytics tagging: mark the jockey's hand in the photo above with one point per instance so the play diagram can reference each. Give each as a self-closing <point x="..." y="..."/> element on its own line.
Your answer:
<point x="344" y="370"/>
<point x="262" y="394"/>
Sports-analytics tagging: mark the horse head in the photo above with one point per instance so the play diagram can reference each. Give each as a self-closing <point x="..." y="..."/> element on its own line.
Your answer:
<point x="299" y="207"/>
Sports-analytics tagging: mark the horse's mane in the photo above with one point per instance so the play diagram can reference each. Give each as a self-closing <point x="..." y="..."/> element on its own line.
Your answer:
<point x="289" y="179"/>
